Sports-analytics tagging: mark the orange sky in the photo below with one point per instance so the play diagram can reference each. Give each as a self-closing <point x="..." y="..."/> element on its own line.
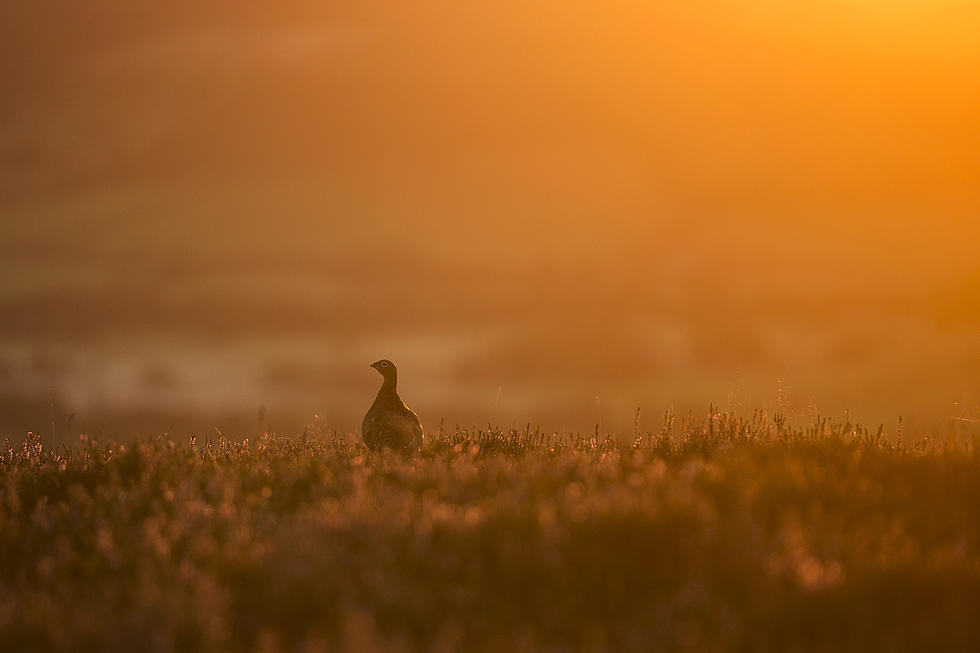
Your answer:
<point x="661" y="193"/>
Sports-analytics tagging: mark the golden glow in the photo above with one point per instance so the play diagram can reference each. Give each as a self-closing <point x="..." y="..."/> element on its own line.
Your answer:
<point x="527" y="203"/>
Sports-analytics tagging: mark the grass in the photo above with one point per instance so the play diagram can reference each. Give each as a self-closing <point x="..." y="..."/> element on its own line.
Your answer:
<point x="715" y="534"/>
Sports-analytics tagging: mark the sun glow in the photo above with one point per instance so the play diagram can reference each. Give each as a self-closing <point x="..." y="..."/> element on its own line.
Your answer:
<point x="695" y="192"/>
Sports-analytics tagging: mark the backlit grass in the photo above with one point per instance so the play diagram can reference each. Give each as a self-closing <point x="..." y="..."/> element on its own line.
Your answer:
<point x="715" y="533"/>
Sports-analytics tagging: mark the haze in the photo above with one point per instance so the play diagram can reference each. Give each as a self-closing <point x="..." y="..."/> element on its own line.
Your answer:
<point x="545" y="212"/>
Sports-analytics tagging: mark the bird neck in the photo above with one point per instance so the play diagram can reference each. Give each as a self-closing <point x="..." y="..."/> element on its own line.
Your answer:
<point x="389" y="387"/>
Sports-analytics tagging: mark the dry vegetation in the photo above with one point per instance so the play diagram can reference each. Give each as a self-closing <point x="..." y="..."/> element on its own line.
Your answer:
<point x="716" y="533"/>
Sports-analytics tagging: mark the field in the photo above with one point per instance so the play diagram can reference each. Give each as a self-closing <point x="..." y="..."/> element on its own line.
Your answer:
<point x="715" y="533"/>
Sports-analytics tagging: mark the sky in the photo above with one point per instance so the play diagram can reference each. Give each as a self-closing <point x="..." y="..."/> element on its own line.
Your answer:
<point x="544" y="213"/>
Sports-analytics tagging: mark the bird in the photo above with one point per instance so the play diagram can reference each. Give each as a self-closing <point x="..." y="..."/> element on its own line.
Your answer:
<point x="389" y="422"/>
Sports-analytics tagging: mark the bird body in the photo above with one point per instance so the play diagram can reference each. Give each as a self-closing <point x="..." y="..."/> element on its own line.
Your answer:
<point x="389" y="422"/>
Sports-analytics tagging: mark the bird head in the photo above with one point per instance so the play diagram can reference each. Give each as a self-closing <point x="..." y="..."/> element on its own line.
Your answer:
<point x="385" y="367"/>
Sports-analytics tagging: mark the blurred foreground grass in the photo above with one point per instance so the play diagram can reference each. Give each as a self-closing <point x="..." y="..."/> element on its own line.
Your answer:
<point x="716" y="533"/>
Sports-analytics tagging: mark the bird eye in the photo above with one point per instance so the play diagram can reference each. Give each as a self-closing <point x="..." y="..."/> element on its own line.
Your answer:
<point x="384" y="363"/>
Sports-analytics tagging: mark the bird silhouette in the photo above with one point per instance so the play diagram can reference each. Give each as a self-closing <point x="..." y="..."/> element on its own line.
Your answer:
<point x="389" y="422"/>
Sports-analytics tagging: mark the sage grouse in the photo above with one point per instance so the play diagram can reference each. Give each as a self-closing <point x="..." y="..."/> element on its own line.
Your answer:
<point x="389" y="422"/>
